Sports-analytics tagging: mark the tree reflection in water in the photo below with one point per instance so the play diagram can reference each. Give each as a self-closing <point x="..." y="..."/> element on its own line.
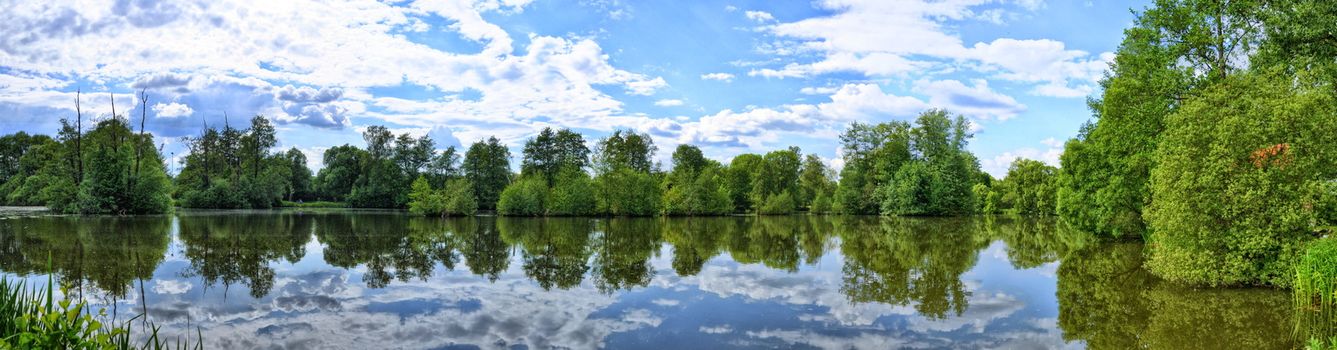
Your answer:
<point x="1104" y="297"/>
<point x="106" y="253"/>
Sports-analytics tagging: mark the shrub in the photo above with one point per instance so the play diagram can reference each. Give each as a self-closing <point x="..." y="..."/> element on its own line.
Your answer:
<point x="460" y="199"/>
<point x="523" y="197"/>
<point x="1240" y="168"/>
<point x="779" y="204"/>
<point x="423" y="200"/>
<point x="626" y="192"/>
<point x="572" y="194"/>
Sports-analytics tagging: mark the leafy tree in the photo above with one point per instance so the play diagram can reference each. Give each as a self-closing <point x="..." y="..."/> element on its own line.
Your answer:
<point x="699" y="195"/>
<point x="625" y="184"/>
<point x="627" y="192"/>
<point x="552" y="151"/>
<point x="234" y="168"/>
<point x="460" y="198"/>
<point x="1241" y="170"/>
<point x="572" y="194"/>
<point x="1028" y="188"/>
<point x="1174" y="47"/>
<point x="873" y="154"/>
<point x="524" y="197"/>
<point x="342" y="166"/>
<point x="694" y="187"/>
<point x="937" y="180"/>
<point x="778" y="174"/>
<point x="299" y="180"/>
<point x="456" y="198"/>
<point x="738" y="180"/>
<point x="444" y="166"/>
<point x="624" y="149"/>
<point x="112" y="184"/>
<point x="423" y="200"/>
<point x="815" y="182"/>
<point x="487" y="166"/>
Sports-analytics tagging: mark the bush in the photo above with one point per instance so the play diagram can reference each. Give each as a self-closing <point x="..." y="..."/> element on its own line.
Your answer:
<point x="701" y="196"/>
<point x="779" y="204"/>
<point x="821" y="204"/>
<point x="460" y="199"/>
<point x="523" y="197"/>
<point x="572" y="194"/>
<point x="626" y="192"/>
<point x="423" y="200"/>
<point x="1240" y="169"/>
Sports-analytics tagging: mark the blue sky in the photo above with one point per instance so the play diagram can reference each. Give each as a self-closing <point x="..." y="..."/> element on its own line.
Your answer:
<point x="730" y="76"/>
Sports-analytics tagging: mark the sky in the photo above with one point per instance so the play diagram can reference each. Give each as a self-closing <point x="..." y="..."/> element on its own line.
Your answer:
<point x="732" y="76"/>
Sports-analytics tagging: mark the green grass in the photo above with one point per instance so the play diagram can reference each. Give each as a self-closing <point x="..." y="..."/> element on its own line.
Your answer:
<point x="315" y="204"/>
<point x="1315" y="289"/>
<point x="32" y="318"/>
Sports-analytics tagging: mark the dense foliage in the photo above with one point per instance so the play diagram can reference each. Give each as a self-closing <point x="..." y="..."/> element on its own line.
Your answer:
<point x="233" y="168"/>
<point x="110" y="169"/>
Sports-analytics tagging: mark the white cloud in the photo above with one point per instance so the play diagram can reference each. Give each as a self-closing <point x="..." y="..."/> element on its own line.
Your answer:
<point x="978" y="101"/>
<point x="997" y="166"/>
<point x="892" y="38"/>
<point x="320" y="50"/>
<point x="645" y="87"/>
<point x="668" y="102"/>
<point x="724" y="77"/>
<point x="720" y="329"/>
<point x="759" y="16"/>
<point x="171" y="110"/>
<point x="171" y="286"/>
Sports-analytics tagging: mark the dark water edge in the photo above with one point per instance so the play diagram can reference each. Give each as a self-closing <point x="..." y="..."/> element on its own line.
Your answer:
<point x="339" y="278"/>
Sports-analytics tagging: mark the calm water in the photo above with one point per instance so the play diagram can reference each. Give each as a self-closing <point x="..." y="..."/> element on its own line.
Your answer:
<point x="341" y="279"/>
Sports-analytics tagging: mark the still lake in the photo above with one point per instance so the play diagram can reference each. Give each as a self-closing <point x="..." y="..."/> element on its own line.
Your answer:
<point x="378" y="279"/>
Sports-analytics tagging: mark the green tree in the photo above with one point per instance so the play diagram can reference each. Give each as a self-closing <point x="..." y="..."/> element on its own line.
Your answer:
<point x="551" y="151"/>
<point x="624" y="149"/>
<point x="695" y="187"/>
<point x="342" y="165"/>
<point x="815" y="183"/>
<point x="572" y="194"/>
<point x="777" y="175"/>
<point x="423" y="200"/>
<point x="625" y="184"/>
<point x="1173" y="47"/>
<point x="1028" y="188"/>
<point x="873" y="154"/>
<point x="487" y="166"/>
<point x="1241" y="171"/>
<point x="937" y="180"/>
<point x="627" y="192"/>
<point x="299" y="181"/>
<point x="524" y="197"/>
<point x="738" y="180"/>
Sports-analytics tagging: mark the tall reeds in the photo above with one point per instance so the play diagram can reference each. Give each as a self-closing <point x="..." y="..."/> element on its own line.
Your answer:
<point x="1315" y="291"/>
<point x="33" y="318"/>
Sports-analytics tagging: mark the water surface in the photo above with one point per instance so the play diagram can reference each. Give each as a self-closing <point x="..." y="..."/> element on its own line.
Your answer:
<point x="361" y="279"/>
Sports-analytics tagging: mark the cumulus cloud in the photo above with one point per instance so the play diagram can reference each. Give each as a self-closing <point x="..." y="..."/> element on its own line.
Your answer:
<point x="884" y="39"/>
<point x="977" y="100"/>
<point x="164" y="80"/>
<point x="171" y="110"/>
<point x="668" y="102"/>
<point x="759" y="16"/>
<point x="1049" y="154"/>
<point x="724" y="77"/>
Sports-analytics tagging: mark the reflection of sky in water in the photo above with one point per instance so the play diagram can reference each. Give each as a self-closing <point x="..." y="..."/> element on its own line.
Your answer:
<point x="727" y="304"/>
